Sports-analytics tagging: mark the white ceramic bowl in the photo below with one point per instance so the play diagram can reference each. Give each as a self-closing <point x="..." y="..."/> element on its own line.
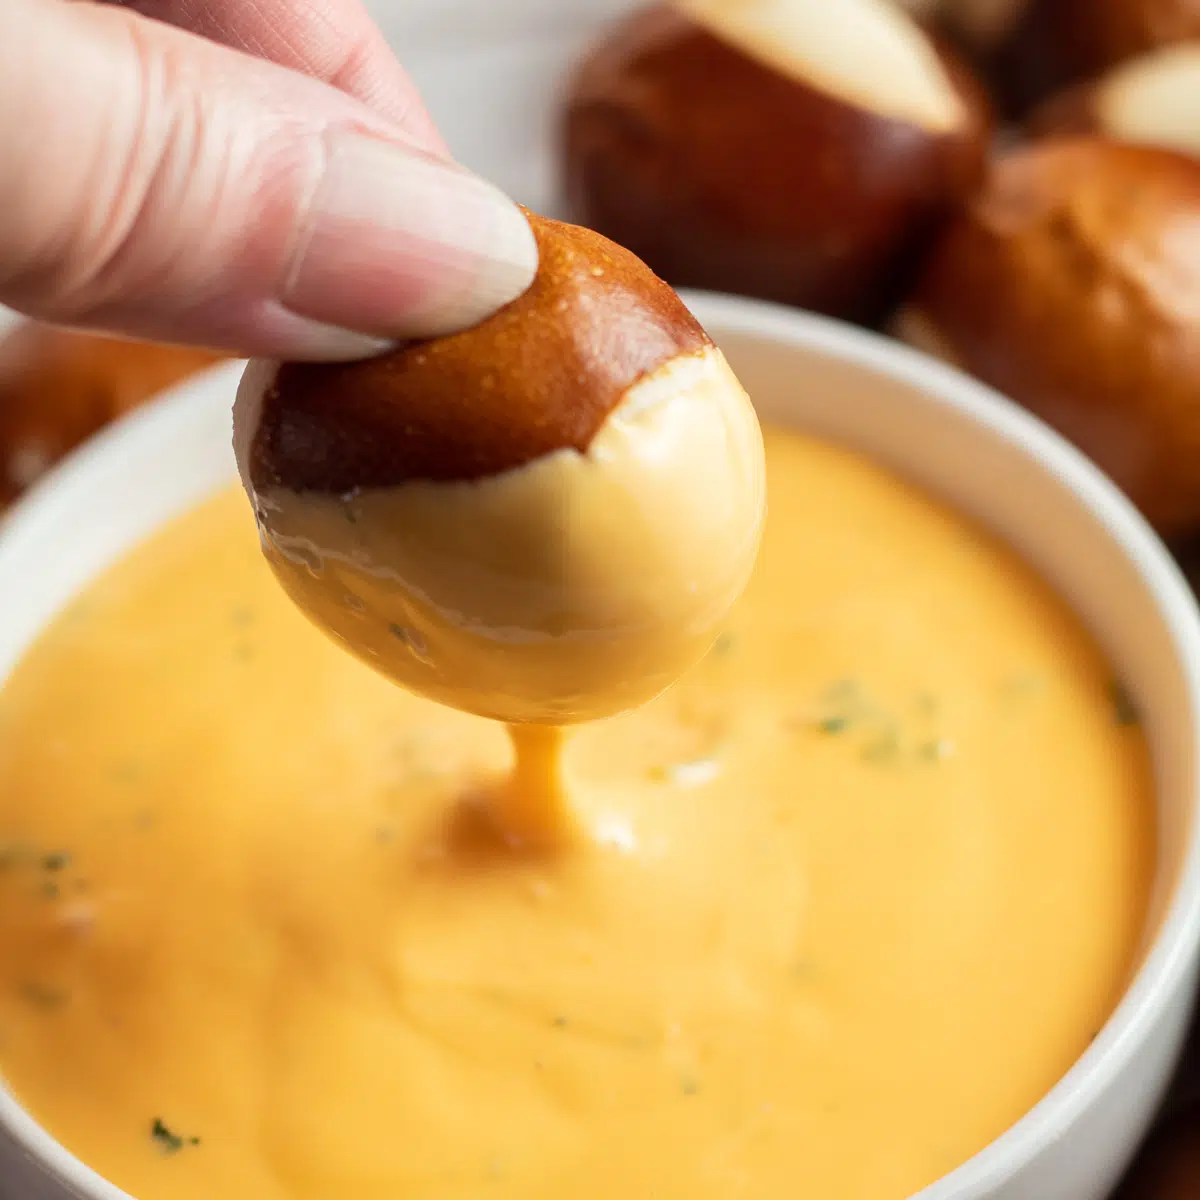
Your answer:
<point x="954" y="437"/>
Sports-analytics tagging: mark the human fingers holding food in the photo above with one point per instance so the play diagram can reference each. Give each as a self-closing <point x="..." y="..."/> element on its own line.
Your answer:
<point x="189" y="192"/>
<point x="335" y="41"/>
<point x="161" y="185"/>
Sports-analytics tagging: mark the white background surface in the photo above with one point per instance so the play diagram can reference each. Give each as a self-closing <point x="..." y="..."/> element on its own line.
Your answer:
<point x="492" y="73"/>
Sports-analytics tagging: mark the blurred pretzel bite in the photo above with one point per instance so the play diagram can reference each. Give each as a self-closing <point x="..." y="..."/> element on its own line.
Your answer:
<point x="58" y="387"/>
<point x="1169" y="1166"/>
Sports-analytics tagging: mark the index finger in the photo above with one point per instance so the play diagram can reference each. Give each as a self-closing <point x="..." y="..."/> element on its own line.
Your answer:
<point x="335" y="41"/>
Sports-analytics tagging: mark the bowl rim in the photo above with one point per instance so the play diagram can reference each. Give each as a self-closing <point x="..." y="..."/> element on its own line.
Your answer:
<point x="1169" y="957"/>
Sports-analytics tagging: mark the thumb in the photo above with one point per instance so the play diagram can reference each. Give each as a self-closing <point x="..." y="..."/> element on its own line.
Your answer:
<point x="161" y="186"/>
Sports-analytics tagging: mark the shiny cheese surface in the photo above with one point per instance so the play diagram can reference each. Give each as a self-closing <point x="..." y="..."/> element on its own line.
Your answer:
<point x="845" y="902"/>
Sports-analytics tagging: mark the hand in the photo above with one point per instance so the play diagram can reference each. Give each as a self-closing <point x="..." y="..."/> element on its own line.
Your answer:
<point x="158" y="184"/>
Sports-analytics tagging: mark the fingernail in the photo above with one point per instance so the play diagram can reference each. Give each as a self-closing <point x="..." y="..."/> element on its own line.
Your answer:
<point x="315" y="341"/>
<point x="400" y="244"/>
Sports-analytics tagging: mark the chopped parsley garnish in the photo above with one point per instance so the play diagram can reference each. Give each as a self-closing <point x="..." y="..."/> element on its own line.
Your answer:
<point x="843" y="707"/>
<point x="167" y="1140"/>
<point x="879" y="734"/>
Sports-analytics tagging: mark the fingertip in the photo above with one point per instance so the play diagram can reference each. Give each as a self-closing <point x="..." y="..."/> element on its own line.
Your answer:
<point x="399" y="243"/>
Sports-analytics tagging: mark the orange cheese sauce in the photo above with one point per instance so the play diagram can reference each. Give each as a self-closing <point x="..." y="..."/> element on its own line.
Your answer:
<point x="850" y="897"/>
